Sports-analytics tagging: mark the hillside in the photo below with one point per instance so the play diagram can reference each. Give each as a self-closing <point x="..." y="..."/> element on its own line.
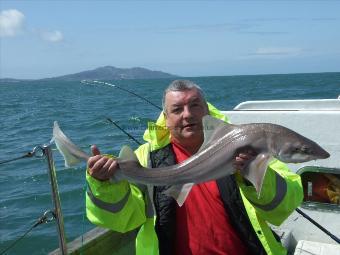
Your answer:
<point x="114" y="73"/>
<point x="104" y="73"/>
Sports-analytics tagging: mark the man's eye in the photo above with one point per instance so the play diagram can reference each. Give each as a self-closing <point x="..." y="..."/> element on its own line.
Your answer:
<point x="194" y="105"/>
<point x="176" y="110"/>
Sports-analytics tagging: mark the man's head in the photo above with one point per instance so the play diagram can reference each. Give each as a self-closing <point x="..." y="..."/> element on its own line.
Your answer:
<point x="184" y="106"/>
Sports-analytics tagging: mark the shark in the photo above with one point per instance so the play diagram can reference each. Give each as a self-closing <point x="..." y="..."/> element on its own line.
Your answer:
<point x="214" y="159"/>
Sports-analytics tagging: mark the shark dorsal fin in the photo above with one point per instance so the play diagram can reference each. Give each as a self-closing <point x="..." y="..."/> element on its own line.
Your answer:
<point x="210" y="125"/>
<point x="211" y="128"/>
<point x="126" y="153"/>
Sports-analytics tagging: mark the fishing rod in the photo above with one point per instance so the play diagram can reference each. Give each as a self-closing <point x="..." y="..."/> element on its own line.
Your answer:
<point x="125" y="132"/>
<point x="94" y="82"/>
<point x="336" y="239"/>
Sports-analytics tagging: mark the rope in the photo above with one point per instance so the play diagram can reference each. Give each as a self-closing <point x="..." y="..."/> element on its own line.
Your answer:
<point x="37" y="151"/>
<point x="43" y="219"/>
<point x="27" y="155"/>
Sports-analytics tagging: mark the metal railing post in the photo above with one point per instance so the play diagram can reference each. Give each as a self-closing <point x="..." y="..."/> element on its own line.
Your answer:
<point x="56" y="200"/>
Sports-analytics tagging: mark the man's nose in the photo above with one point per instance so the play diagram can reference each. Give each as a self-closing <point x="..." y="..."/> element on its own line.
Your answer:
<point x="187" y="112"/>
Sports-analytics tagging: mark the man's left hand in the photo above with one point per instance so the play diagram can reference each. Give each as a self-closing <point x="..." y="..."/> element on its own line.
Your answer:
<point x="243" y="158"/>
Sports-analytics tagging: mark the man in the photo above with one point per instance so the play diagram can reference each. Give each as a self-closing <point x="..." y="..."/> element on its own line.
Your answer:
<point x="219" y="217"/>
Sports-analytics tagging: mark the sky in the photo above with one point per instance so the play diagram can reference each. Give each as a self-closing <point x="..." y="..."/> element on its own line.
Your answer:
<point x="40" y="39"/>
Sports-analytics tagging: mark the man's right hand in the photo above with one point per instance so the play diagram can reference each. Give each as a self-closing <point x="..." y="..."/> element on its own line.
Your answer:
<point x="101" y="167"/>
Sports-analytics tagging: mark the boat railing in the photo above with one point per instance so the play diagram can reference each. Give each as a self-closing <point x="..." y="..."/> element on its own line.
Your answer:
<point x="49" y="215"/>
<point x="56" y="198"/>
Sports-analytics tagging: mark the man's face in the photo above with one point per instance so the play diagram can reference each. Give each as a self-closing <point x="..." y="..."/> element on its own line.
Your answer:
<point x="184" y="113"/>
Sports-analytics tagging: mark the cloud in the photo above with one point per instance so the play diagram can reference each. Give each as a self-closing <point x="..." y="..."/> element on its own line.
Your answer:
<point x="274" y="53"/>
<point x="52" y="36"/>
<point x="11" y="22"/>
<point x="241" y="28"/>
<point x="210" y="27"/>
<point x="265" y="32"/>
<point x="193" y="28"/>
<point x="278" y="51"/>
<point x="290" y="19"/>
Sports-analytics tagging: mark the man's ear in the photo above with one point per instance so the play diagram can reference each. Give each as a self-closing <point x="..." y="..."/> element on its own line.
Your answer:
<point x="166" y="119"/>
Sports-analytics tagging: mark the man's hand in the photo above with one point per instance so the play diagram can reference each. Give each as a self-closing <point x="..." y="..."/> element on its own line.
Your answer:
<point x="101" y="167"/>
<point x="243" y="158"/>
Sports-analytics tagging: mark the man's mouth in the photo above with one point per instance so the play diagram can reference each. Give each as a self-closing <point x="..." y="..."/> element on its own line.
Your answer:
<point x="189" y="125"/>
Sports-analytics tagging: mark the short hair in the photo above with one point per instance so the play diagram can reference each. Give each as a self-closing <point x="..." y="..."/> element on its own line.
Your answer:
<point x="181" y="85"/>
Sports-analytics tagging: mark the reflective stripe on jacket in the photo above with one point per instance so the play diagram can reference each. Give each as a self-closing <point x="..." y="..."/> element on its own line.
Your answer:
<point x="122" y="206"/>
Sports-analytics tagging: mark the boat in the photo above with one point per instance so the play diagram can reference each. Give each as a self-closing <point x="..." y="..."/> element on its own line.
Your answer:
<point x="318" y="120"/>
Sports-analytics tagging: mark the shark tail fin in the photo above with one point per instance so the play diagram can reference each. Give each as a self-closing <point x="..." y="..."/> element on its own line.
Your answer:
<point x="70" y="152"/>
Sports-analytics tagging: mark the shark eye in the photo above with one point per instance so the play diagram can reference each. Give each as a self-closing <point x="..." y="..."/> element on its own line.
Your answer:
<point x="296" y="149"/>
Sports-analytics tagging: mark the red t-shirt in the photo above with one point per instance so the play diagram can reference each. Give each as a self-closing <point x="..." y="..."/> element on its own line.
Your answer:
<point x="202" y="224"/>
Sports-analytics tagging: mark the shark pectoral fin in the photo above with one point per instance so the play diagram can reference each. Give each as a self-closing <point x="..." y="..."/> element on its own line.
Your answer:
<point x="257" y="170"/>
<point x="179" y="192"/>
<point x="126" y="153"/>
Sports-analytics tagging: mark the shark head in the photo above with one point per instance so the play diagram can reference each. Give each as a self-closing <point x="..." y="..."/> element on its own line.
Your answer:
<point x="298" y="149"/>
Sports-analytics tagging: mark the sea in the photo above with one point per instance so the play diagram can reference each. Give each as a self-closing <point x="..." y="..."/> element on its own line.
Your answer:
<point x="28" y="110"/>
